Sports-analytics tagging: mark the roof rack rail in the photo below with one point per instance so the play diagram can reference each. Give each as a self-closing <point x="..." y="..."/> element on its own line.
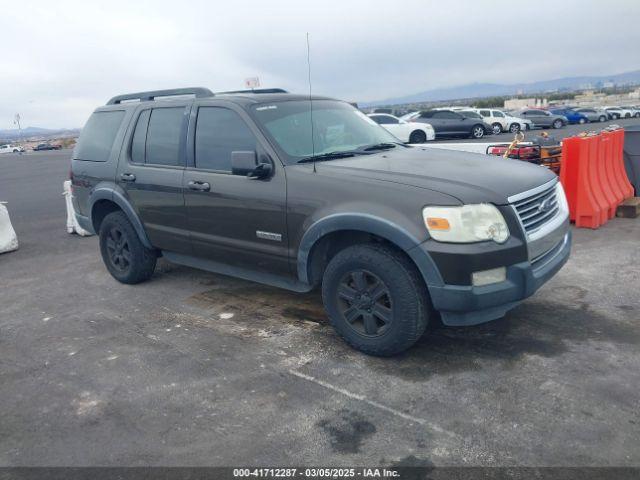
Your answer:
<point x="256" y="90"/>
<point x="199" y="92"/>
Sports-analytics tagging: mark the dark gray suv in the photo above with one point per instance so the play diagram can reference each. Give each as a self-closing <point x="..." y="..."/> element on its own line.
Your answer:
<point x="306" y="193"/>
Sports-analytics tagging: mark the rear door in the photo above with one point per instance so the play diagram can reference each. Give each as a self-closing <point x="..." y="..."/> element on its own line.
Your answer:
<point x="444" y="121"/>
<point x="234" y="220"/>
<point x="151" y="173"/>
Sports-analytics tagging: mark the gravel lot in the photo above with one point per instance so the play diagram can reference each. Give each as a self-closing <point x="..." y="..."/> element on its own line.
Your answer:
<point x="193" y="368"/>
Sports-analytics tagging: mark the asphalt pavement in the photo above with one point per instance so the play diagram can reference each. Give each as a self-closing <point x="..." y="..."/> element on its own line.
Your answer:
<point x="192" y="368"/>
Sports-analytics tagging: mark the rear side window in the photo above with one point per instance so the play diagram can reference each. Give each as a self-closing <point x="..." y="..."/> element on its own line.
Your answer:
<point x="220" y="131"/>
<point x="98" y="135"/>
<point x="163" y="136"/>
<point x="138" y="145"/>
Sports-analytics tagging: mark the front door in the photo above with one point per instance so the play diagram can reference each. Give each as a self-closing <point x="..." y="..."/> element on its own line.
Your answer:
<point x="235" y="220"/>
<point x="150" y="173"/>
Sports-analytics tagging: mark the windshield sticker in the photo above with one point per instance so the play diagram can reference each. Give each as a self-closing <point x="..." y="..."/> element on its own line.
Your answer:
<point x="268" y="107"/>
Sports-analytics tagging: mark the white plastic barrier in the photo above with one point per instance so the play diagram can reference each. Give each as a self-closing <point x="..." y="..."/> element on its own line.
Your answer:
<point x="8" y="238"/>
<point x="72" y="223"/>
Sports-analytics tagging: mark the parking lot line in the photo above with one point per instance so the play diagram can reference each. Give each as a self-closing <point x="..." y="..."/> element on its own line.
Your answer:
<point x="373" y="403"/>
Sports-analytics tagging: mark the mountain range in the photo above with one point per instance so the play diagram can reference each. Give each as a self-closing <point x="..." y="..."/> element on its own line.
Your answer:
<point x="477" y="90"/>
<point x="15" y="134"/>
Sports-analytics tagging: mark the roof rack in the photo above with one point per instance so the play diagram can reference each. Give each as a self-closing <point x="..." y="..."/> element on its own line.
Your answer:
<point x="257" y="90"/>
<point x="199" y="92"/>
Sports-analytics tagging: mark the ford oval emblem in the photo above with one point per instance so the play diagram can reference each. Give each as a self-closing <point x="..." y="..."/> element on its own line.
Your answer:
<point x="546" y="205"/>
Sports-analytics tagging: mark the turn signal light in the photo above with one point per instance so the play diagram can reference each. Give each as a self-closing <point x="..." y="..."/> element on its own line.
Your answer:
<point x="435" y="223"/>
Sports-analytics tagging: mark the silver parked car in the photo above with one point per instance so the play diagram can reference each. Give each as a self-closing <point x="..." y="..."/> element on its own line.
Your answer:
<point x="543" y="118"/>
<point x="593" y="114"/>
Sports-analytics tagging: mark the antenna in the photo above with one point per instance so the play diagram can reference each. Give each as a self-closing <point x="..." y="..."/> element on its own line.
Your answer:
<point x="313" y="146"/>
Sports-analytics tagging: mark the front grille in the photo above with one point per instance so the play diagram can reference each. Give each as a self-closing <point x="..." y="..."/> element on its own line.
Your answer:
<point x="536" y="210"/>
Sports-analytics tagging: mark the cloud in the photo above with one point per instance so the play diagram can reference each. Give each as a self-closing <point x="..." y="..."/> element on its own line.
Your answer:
<point x="61" y="59"/>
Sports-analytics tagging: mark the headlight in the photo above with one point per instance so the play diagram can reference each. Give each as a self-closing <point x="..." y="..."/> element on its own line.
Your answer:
<point x="466" y="224"/>
<point x="563" y="205"/>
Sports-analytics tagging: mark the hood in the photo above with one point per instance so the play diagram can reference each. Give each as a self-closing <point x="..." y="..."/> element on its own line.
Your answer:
<point x="469" y="177"/>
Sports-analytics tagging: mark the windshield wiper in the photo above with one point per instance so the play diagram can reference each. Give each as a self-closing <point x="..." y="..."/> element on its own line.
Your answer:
<point x="327" y="156"/>
<point x="380" y="146"/>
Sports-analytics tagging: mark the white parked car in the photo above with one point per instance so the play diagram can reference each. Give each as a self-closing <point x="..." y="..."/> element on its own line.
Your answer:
<point x="503" y="122"/>
<point x="8" y="148"/>
<point x="619" y="112"/>
<point x="408" y="132"/>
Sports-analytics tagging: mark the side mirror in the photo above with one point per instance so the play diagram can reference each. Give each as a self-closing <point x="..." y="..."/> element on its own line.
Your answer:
<point x="246" y="163"/>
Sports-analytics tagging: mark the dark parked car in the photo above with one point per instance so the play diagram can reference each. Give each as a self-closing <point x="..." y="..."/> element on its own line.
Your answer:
<point x="543" y="118"/>
<point x="571" y="115"/>
<point x="47" y="146"/>
<point x="448" y="123"/>
<point x="251" y="184"/>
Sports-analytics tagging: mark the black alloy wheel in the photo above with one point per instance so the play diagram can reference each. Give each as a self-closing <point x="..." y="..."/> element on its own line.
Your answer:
<point x="118" y="250"/>
<point x="365" y="303"/>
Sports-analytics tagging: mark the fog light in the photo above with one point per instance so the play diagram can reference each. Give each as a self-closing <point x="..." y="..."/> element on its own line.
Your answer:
<point x="486" y="277"/>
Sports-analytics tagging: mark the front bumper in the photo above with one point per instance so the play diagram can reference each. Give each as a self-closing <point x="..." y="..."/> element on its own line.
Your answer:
<point x="470" y="305"/>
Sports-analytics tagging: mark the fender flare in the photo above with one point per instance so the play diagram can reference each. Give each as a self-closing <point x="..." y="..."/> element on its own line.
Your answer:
<point x="370" y="224"/>
<point x="108" y="193"/>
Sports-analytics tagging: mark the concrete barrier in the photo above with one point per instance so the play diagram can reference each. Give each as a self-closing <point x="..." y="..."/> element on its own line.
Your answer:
<point x="8" y="238"/>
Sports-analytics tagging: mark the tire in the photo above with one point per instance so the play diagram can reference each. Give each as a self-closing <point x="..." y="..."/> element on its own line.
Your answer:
<point x="602" y="118"/>
<point x="497" y="128"/>
<point x="514" y="127"/>
<point x="477" y="131"/>
<point x="352" y="276"/>
<point x="582" y="121"/>
<point x="636" y="115"/>
<point x="124" y="255"/>
<point x="557" y="124"/>
<point x="627" y="115"/>
<point x="417" y="136"/>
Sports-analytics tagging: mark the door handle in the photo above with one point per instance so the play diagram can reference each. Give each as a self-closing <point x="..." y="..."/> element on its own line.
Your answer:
<point x="128" y="177"/>
<point x="199" y="186"/>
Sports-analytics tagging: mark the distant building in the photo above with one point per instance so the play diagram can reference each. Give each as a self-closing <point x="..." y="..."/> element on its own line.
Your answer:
<point x="518" y="103"/>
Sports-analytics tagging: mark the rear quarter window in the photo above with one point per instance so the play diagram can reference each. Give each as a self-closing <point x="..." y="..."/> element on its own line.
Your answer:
<point x="98" y="135"/>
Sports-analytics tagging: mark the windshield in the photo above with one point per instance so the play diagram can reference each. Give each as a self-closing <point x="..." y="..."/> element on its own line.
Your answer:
<point x="337" y="127"/>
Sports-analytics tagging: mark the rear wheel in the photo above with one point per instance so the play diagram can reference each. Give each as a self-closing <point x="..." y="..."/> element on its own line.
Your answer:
<point x="557" y="124"/>
<point x="477" y="131"/>
<point x="124" y="255"/>
<point x="375" y="299"/>
<point x="602" y="118"/>
<point x="582" y="121"/>
<point x="497" y="128"/>
<point x="514" y="127"/>
<point x="417" y="136"/>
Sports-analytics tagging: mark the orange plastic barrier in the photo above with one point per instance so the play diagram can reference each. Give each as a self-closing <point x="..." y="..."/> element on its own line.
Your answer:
<point x="593" y="177"/>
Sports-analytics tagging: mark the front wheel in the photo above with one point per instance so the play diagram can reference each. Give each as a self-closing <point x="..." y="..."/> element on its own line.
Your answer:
<point x="417" y="136"/>
<point x="557" y="124"/>
<point x="375" y="299"/>
<point x="477" y="131"/>
<point x="602" y="118"/>
<point x="582" y="121"/>
<point x="514" y="128"/>
<point x="124" y="255"/>
<point x="497" y="128"/>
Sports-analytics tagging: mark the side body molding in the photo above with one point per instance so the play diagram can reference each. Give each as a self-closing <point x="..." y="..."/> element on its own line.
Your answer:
<point x="370" y="224"/>
<point x="109" y="193"/>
